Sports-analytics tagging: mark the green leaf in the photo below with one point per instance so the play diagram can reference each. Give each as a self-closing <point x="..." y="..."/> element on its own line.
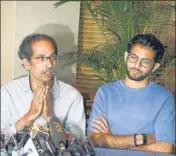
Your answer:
<point x="123" y="20"/>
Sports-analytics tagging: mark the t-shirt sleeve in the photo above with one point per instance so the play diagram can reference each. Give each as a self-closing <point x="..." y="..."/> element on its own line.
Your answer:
<point x="165" y="122"/>
<point x="98" y="108"/>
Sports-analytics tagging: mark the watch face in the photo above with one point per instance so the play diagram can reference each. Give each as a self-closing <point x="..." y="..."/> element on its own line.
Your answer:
<point x="139" y="139"/>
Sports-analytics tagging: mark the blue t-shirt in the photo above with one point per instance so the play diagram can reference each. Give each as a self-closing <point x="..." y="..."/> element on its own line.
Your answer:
<point x="148" y="110"/>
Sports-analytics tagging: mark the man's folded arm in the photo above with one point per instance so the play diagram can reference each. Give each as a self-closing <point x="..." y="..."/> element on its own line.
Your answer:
<point x="114" y="141"/>
<point x="127" y="142"/>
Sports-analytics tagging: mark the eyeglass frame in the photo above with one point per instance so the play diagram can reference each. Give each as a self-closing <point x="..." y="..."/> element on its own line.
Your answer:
<point x="43" y="59"/>
<point x="142" y="59"/>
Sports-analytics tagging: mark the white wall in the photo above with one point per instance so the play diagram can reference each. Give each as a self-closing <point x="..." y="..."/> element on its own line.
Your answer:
<point x="7" y="39"/>
<point x="41" y="17"/>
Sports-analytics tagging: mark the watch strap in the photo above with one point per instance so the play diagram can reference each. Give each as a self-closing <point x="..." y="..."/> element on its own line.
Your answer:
<point x="144" y="139"/>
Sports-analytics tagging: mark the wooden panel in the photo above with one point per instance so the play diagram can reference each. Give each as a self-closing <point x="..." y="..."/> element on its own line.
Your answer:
<point x="89" y="37"/>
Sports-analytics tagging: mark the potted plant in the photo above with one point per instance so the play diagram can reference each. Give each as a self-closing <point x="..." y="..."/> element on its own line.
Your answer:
<point x="123" y="20"/>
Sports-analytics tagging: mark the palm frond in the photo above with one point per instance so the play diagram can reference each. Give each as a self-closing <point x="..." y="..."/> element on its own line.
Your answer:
<point x="57" y="4"/>
<point x="122" y="20"/>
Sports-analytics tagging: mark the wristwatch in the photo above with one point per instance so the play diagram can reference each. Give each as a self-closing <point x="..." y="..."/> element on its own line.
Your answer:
<point x="140" y="139"/>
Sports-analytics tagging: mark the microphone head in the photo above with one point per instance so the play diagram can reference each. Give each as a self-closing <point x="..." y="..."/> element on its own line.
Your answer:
<point x="76" y="148"/>
<point x="2" y="140"/>
<point x="37" y="147"/>
<point x="76" y="132"/>
<point x="10" y="144"/>
<point x="38" y="130"/>
<point x="8" y="140"/>
<point x="22" y="138"/>
<point x="88" y="147"/>
<point x="40" y="136"/>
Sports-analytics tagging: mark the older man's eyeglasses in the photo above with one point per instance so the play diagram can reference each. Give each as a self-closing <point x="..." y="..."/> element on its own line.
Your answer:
<point x="43" y="59"/>
<point x="146" y="63"/>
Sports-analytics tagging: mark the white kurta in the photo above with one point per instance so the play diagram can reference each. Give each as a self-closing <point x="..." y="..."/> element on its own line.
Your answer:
<point x="16" y="97"/>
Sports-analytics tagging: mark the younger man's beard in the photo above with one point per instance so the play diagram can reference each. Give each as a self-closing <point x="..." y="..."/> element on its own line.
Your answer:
<point x="140" y="78"/>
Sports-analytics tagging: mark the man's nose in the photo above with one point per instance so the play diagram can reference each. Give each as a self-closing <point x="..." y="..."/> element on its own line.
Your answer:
<point x="48" y="62"/>
<point x="138" y="64"/>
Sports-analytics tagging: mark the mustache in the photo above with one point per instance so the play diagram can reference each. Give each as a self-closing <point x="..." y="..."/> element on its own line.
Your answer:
<point x="135" y="69"/>
<point x="50" y="70"/>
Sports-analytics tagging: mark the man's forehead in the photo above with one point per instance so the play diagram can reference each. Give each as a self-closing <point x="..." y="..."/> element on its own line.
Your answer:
<point x="143" y="51"/>
<point x="43" y="47"/>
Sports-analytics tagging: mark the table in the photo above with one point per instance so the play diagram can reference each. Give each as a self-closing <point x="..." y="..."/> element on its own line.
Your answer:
<point x="114" y="152"/>
<point x="118" y="152"/>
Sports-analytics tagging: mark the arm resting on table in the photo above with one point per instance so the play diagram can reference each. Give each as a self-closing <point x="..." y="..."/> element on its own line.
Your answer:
<point x="112" y="141"/>
<point x="163" y="147"/>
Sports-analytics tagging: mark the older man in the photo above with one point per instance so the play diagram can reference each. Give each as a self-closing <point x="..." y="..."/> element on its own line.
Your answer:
<point x="38" y="97"/>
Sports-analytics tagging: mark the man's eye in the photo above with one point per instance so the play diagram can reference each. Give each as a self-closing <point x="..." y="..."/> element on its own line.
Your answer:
<point x="40" y="58"/>
<point x="133" y="57"/>
<point x="146" y="61"/>
<point x="53" y="57"/>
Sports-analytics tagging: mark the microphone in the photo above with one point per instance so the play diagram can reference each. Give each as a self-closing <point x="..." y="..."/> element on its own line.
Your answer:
<point x="75" y="140"/>
<point x="58" y="136"/>
<point x="38" y="144"/>
<point x="43" y="131"/>
<point x="31" y="148"/>
<point x="2" y="140"/>
<point x="76" y="148"/>
<point x="81" y="145"/>
<point x="10" y="142"/>
<point x="57" y="133"/>
<point x="2" y="144"/>
<point x="43" y="144"/>
<point x="88" y="147"/>
<point x="76" y="132"/>
<point x="52" y="146"/>
<point x="38" y="131"/>
<point x="64" y="151"/>
<point x="22" y="138"/>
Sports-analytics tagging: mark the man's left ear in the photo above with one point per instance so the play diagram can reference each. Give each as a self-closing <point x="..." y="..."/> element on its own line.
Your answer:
<point x="157" y="65"/>
<point x="26" y="63"/>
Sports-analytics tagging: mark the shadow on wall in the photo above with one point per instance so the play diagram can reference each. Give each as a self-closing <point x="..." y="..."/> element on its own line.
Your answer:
<point x="65" y="42"/>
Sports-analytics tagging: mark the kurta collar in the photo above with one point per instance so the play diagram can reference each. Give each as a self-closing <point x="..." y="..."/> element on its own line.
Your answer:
<point x="55" y="89"/>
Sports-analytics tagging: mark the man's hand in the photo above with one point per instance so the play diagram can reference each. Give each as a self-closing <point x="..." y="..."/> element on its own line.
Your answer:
<point x="37" y="103"/>
<point x="35" y="109"/>
<point x="100" y="125"/>
<point x="46" y="113"/>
